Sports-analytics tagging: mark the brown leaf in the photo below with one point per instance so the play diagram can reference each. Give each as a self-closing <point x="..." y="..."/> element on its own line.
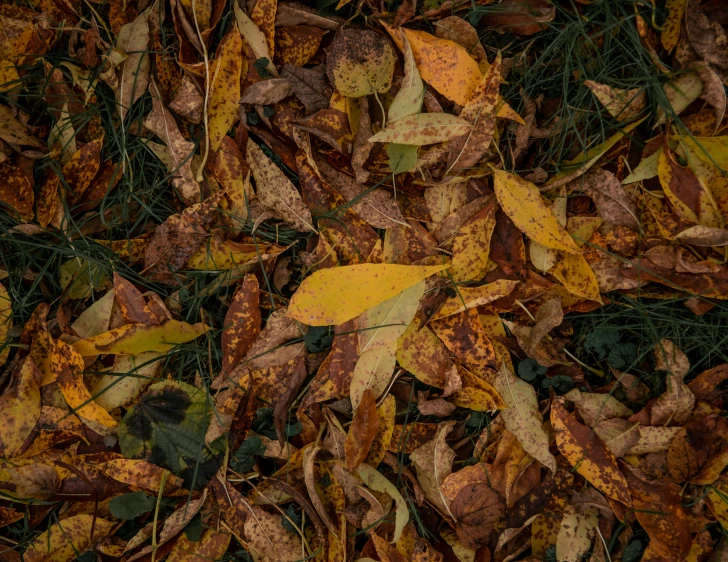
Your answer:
<point x="242" y="323"/>
<point x="276" y="191"/>
<point x="433" y="462"/>
<point x="613" y="204"/>
<point x="467" y="150"/>
<point x="132" y="304"/>
<point x="362" y="431"/>
<point x="477" y="509"/>
<point x="377" y="207"/>
<point x="707" y="381"/>
<point x="658" y="510"/>
<point x="176" y="239"/>
<point x="308" y="85"/>
<point x="267" y="92"/>
<point x="699" y="451"/>
<point x="522" y="17"/>
<point x="162" y="124"/>
<point x="188" y="101"/>
<point x="16" y="191"/>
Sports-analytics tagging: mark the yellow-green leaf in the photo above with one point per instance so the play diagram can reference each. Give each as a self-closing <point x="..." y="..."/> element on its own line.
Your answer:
<point x="379" y="483"/>
<point x="373" y="371"/>
<point x="138" y="338"/>
<point x="423" y="128"/>
<point x="408" y="100"/>
<point x="335" y="295"/>
<point x="254" y="36"/>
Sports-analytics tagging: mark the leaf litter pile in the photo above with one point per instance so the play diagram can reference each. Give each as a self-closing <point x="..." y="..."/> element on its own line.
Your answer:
<point x="363" y="281"/>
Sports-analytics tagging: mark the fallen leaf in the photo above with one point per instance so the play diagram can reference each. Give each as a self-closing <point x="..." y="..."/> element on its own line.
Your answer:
<point x="443" y="64"/>
<point x="20" y="404"/>
<point x="362" y="431"/>
<point x="433" y="462"/>
<point x="333" y="296"/>
<point x="588" y="455"/>
<point x="423" y="128"/>
<point x="162" y="124"/>
<point x="242" y="323"/>
<point x="224" y="87"/>
<point x="66" y="538"/>
<point x="276" y="191"/>
<point x="623" y="105"/>
<point x="522" y="202"/>
<point x="139" y="338"/>
<point x="133" y="73"/>
<point x="361" y="62"/>
<point x="523" y="417"/>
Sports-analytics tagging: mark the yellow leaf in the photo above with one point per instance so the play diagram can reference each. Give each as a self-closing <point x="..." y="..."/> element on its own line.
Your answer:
<point x="373" y="371"/>
<point x="224" y="88"/>
<point x="379" y="483"/>
<point x="522" y="202"/>
<point x="254" y="36"/>
<point x="138" y="338"/>
<point x="385" y="412"/>
<point x="544" y="258"/>
<point x="335" y="295"/>
<point x="717" y="501"/>
<point x="577" y="277"/>
<point x="445" y="65"/>
<point x="588" y="455"/>
<point x="671" y="27"/>
<point x="423" y="128"/>
<point x="471" y="247"/>
<point x="477" y="395"/>
<point x="216" y="254"/>
<point x="421" y="352"/>
<point x="9" y="77"/>
<point x="360" y="62"/>
<point x="20" y="407"/>
<point x="65" y="539"/>
<point x="129" y="376"/>
<point x="472" y="297"/>
<point x="69" y="368"/>
<point x="6" y="322"/>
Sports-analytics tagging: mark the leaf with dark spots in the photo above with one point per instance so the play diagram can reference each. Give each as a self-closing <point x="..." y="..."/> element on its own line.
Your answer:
<point x="550" y="495"/>
<point x="167" y="427"/>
